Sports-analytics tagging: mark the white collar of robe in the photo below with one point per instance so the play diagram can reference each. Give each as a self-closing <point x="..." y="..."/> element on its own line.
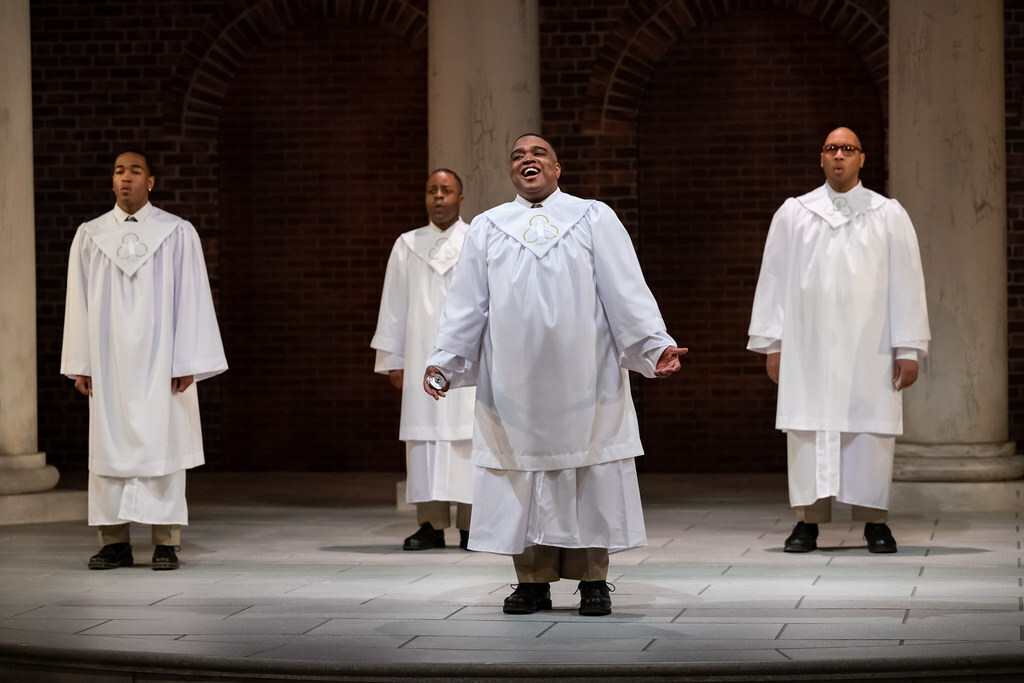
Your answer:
<point x="129" y="245"/>
<point x="539" y="229"/>
<point x="839" y="208"/>
<point x="438" y="248"/>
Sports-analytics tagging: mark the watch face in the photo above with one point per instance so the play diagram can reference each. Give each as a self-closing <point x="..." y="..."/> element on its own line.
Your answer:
<point x="436" y="381"/>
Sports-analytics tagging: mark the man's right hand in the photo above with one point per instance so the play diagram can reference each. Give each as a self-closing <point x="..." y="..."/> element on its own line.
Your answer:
<point x="84" y="385"/>
<point x="771" y="364"/>
<point x="431" y="372"/>
<point x="396" y="377"/>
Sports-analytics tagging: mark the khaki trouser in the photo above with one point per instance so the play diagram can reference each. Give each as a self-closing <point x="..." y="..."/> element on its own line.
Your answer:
<point x="439" y="514"/>
<point x="162" y="534"/>
<point x="547" y="563"/>
<point x="820" y="512"/>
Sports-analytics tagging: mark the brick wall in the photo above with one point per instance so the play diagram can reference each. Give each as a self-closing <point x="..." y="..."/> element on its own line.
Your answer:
<point x="118" y="74"/>
<point x="655" y="107"/>
<point x="323" y="148"/>
<point x="1014" y="55"/>
<point x="715" y="164"/>
<point x="695" y="122"/>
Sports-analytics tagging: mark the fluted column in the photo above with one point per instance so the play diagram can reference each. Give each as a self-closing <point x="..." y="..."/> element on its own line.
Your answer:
<point x="483" y="91"/>
<point x="948" y="168"/>
<point x="23" y="469"/>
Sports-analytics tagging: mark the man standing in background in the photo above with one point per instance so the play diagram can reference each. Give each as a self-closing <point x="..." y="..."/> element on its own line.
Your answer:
<point x="438" y="437"/>
<point x="840" y="313"/>
<point x="139" y="331"/>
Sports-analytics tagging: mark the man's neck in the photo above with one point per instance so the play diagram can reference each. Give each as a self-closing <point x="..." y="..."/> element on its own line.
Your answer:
<point x="842" y="190"/>
<point x="129" y="209"/>
<point x="540" y="200"/>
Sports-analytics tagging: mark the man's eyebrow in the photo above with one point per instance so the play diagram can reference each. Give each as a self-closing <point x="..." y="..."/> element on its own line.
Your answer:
<point x="533" y="148"/>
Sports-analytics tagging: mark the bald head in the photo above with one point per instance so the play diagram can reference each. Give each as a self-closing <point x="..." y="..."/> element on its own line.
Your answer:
<point x="842" y="157"/>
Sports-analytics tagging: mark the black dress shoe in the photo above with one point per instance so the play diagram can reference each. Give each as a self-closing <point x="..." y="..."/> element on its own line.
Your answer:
<point x="164" y="557"/>
<point x="463" y="539"/>
<point x="804" y="538"/>
<point x="879" y="538"/>
<point x="528" y="598"/>
<point x="425" y="539"/>
<point x="595" y="600"/>
<point x="112" y="556"/>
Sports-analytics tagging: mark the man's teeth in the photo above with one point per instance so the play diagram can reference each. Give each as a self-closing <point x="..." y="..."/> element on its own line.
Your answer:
<point x="530" y="172"/>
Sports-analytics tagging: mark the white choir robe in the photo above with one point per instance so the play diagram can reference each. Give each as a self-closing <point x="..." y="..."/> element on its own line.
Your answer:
<point x="437" y="433"/>
<point x="547" y="311"/>
<point x="840" y="295"/>
<point x="139" y="312"/>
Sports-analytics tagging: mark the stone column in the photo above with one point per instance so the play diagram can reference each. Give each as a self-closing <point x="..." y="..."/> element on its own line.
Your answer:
<point x="23" y="469"/>
<point x="483" y="91"/>
<point x="947" y="166"/>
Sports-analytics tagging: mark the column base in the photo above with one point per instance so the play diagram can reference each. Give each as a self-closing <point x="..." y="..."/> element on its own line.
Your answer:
<point x="49" y="506"/>
<point x="965" y="496"/>
<point x="972" y="462"/>
<point x="27" y="495"/>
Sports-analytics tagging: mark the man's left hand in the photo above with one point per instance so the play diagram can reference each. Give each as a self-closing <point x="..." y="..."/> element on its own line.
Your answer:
<point x="904" y="373"/>
<point x="669" y="363"/>
<point x="180" y="384"/>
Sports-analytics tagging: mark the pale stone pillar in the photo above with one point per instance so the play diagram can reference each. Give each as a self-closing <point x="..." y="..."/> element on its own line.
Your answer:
<point x="948" y="168"/>
<point x="23" y="469"/>
<point x="483" y="91"/>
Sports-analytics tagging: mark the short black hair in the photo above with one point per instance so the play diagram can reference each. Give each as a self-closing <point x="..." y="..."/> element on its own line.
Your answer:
<point x="149" y="166"/>
<point x="536" y="135"/>
<point x="449" y="172"/>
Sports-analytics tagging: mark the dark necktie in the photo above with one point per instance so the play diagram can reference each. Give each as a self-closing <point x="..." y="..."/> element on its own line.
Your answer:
<point x="131" y="219"/>
<point x="536" y="205"/>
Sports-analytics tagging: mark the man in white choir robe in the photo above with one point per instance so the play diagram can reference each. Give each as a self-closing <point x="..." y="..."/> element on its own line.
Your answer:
<point x="547" y="312"/>
<point x="139" y="332"/>
<point x="438" y="437"/>
<point x="840" y="312"/>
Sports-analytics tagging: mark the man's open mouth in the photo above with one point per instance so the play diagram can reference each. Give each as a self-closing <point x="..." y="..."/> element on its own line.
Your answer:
<point x="530" y="172"/>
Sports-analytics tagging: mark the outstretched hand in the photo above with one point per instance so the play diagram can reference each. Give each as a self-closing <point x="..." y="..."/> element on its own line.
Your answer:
<point x="669" y="363"/>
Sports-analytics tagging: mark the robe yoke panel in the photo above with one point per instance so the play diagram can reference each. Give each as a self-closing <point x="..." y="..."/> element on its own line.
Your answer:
<point x="132" y="334"/>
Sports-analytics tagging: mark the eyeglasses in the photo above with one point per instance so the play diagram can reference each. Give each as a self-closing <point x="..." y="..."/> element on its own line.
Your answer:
<point x="832" y="150"/>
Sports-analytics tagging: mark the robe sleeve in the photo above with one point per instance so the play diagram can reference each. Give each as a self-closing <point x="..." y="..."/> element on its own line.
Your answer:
<point x="463" y="323"/>
<point x="389" y="336"/>
<point x="908" y="306"/>
<point x="386" y="362"/>
<point x="633" y="316"/>
<point x="198" y="349"/>
<point x="74" y="360"/>
<point x="768" y="312"/>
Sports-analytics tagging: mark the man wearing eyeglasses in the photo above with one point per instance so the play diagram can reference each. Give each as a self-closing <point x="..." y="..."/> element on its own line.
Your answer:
<point x="840" y="314"/>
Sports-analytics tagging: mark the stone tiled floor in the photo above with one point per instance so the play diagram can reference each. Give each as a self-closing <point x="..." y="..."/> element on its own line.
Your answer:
<point x="302" y="577"/>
